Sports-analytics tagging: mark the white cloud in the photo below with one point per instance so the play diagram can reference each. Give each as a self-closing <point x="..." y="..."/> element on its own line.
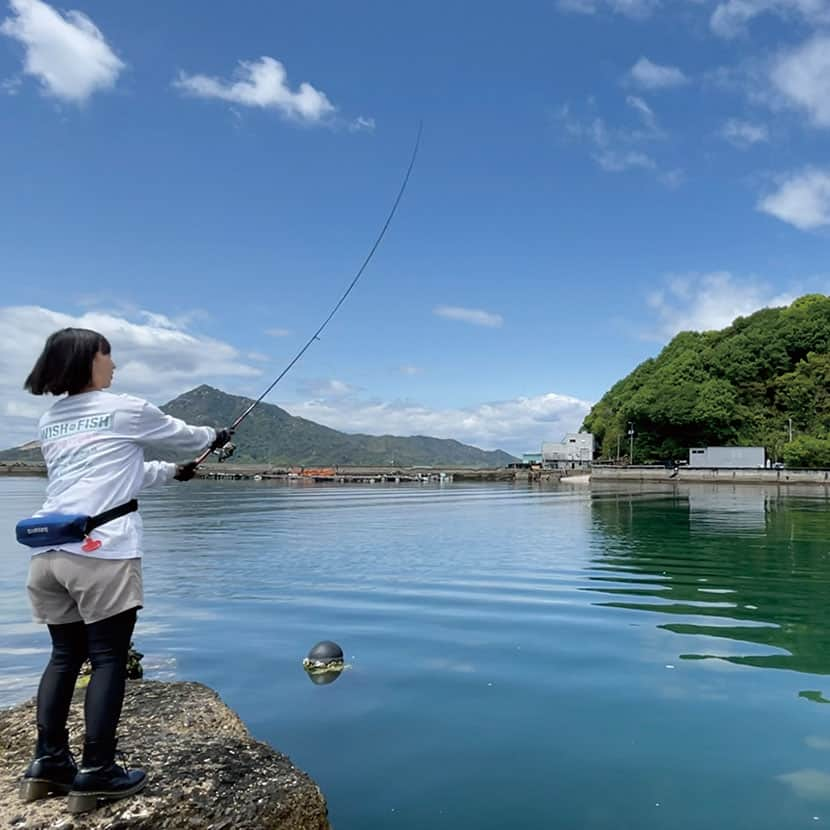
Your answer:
<point x="155" y="360"/>
<point x="362" y="125"/>
<point x="67" y="53"/>
<point x="515" y="426"/>
<point x="629" y="8"/>
<point x="650" y="75"/>
<point x="616" y="161"/>
<point x="643" y="109"/>
<point x="703" y="302"/>
<point x="743" y="134"/>
<point x="618" y="149"/>
<point x="163" y="321"/>
<point x="410" y="370"/>
<point x="10" y="86"/>
<point x="803" y="200"/>
<point x="278" y="332"/>
<point x="22" y="409"/>
<point x="264" y="84"/>
<point x="325" y="389"/>
<point x="802" y="78"/>
<point x="672" y="178"/>
<point x="729" y="19"/>
<point x="475" y="316"/>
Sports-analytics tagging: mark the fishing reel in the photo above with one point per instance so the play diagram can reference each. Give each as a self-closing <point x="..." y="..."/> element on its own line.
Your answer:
<point x="224" y="453"/>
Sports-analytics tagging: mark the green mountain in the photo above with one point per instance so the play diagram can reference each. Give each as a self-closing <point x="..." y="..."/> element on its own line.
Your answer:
<point x="29" y="452"/>
<point x="270" y="434"/>
<point x="737" y="386"/>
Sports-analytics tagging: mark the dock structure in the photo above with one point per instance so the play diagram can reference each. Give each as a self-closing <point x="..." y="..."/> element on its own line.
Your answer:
<point x="345" y="474"/>
<point x="371" y="474"/>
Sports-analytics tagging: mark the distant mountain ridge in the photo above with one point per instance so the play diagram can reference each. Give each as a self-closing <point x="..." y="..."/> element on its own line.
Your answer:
<point x="271" y="435"/>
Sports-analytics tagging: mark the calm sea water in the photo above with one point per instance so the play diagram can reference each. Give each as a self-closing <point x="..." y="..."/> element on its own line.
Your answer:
<point x="520" y="657"/>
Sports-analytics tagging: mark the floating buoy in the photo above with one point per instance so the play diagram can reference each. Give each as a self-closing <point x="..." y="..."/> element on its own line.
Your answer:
<point x="324" y="662"/>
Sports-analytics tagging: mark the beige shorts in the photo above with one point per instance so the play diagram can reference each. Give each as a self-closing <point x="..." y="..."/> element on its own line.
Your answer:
<point x="68" y="587"/>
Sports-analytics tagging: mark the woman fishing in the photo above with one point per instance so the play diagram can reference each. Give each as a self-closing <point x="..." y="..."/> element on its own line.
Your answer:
<point x="89" y="589"/>
<point x="88" y="592"/>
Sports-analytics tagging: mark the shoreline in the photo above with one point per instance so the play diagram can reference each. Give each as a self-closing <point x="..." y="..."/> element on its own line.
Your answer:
<point x="206" y="771"/>
<point x="710" y="475"/>
<point x="599" y="473"/>
<point x="340" y="474"/>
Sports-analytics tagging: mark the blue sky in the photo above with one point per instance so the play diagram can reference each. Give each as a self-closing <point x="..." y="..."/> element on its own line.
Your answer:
<point x="201" y="180"/>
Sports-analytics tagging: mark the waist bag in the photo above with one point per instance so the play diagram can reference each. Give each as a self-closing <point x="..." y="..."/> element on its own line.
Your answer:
<point x="57" y="529"/>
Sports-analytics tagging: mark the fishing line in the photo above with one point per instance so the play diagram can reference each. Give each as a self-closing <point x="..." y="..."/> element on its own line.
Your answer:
<point x="316" y="335"/>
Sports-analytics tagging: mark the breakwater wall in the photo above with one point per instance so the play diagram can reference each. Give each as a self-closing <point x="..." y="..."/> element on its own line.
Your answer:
<point x="401" y="475"/>
<point x="337" y="474"/>
<point x="22" y="468"/>
<point x="713" y="475"/>
<point x="346" y="474"/>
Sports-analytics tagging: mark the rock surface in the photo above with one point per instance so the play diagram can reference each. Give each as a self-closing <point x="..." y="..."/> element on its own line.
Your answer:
<point x="205" y="771"/>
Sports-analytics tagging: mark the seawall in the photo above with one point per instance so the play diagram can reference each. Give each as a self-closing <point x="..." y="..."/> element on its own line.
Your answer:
<point x="711" y="475"/>
<point x="341" y="474"/>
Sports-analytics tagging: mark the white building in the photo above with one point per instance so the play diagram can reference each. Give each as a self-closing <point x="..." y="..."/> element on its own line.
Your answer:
<point x="576" y="449"/>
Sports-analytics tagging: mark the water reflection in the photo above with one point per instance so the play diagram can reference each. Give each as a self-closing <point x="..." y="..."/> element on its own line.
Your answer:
<point x="324" y="678"/>
<point x="735" y="566"/>
<point x="809" y="784"/>
<point x="738" y="509"/>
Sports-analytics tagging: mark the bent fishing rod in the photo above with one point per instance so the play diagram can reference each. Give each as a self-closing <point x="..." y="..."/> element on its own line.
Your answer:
<point x="352" y="284"/>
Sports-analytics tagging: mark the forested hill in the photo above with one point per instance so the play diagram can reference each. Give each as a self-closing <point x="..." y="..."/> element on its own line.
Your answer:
<point x="270" y="434"/>
<point x="737" y="386"/>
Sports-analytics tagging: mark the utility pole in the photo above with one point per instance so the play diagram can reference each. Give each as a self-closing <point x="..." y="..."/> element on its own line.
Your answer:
<point x="619" y="436"/>
<point x="790" y="425"/>
<point x="631" y="437"/>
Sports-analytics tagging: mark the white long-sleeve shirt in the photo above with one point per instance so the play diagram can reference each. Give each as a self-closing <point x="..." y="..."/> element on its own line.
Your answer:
<point x="93" y="444"/>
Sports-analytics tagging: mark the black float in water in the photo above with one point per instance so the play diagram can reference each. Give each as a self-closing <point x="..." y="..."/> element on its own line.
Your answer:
<point x="325" y="652"/>
<point x="324" y="662"/>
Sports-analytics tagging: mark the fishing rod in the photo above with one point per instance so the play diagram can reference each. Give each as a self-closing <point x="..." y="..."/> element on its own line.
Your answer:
<point x="316" y="335"/>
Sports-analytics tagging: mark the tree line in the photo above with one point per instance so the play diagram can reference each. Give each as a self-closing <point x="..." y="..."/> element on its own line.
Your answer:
<point x="762" y="381"/>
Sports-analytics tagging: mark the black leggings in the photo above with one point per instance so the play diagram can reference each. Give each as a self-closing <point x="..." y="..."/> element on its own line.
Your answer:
<point x="107" y="644"/>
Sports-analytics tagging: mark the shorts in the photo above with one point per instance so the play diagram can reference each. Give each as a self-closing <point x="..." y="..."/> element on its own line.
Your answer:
<point x="69" y="587"/>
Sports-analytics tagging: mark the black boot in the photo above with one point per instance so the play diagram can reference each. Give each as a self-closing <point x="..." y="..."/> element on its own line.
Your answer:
<point x="100" y="778"/>
<point x="53" y="769"/>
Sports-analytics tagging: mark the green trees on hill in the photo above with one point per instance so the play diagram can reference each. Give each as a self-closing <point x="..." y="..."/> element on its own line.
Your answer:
<point x="738" y="386"/>
<point x="272" y="435"/>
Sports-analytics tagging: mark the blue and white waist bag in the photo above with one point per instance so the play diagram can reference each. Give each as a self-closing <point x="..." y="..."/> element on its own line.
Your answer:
<point x="56" y="529"/>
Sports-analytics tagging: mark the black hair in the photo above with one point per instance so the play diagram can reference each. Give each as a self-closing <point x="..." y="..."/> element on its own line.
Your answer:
<point x="65" y="364"/>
